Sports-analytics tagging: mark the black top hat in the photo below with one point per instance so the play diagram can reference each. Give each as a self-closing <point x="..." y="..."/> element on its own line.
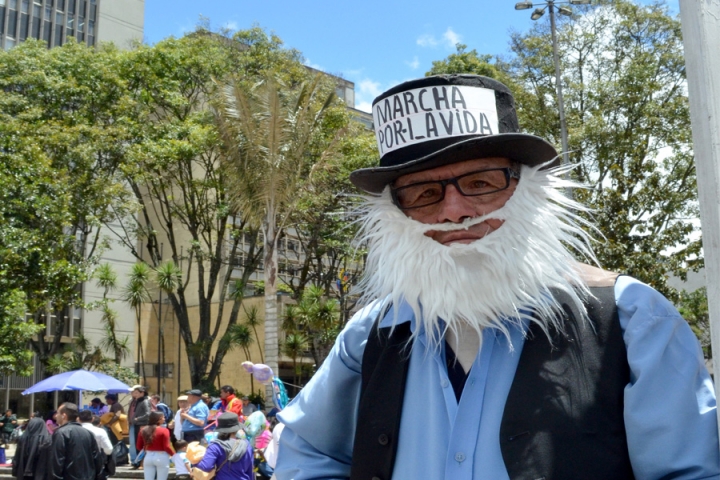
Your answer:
<point x="444" y="119"/>
<point x="227" y="423"/>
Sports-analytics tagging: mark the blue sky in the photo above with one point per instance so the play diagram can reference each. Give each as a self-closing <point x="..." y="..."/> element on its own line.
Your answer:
<point x="375" y="44"/>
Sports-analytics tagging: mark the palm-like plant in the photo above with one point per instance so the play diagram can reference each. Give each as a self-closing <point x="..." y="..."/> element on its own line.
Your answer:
<point x="295" y="344"/>
<point x="241" y="337"/>
<point x="136" y="293"/>
<point x="271" y="134"/>
<point x="107" y="280"/>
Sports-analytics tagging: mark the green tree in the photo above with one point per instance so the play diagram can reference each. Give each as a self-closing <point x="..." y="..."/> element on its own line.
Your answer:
<point x="106" y="278"/>
<point x="60" y="144"/>
<point x="463" y="61"/>
<point x="693" y="306"/>
<point x="294" y="346"/>
<point x="315" y="317"/>
<point x="137" y="293"/>
<point x="178" y="172"/>
<point x="275" y="136"/>
<point x="629" y="130"/>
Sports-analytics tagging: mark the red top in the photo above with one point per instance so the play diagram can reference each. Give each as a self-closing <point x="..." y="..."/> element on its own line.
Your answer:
<point x="160" y="443"/>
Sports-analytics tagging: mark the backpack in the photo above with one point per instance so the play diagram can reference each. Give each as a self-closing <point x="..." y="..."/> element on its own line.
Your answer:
<point x="166" y="411"/>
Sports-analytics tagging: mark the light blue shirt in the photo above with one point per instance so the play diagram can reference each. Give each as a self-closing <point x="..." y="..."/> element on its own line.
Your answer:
<point x="670" y="409"/>
<point x="200" y="411"/>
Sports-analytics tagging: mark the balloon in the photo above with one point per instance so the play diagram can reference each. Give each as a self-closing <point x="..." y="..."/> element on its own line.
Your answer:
<point x="280" y="397"/>
<point x="261" y="372"/>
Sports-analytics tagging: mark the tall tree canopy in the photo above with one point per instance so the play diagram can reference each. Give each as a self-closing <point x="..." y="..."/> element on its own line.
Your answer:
<point x="627" y="113"/>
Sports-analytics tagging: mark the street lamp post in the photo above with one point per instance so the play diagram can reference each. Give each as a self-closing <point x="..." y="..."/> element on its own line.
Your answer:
<point x="551" y="5"/>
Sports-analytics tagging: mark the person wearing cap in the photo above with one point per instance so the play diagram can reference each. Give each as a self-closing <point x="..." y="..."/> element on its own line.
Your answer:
<point x="176" y="424"/>
<point x="486" y="351"/>
<point x="138" y="416"/>
<point x="231" y="457"/>
<point x="194" y="417"/>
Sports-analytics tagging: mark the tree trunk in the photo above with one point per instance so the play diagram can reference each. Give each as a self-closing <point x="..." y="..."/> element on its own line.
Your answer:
<point x="271" y="313"/>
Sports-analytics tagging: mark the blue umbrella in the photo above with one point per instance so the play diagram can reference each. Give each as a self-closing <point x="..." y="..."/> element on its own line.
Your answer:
<point x="79" y="380"/>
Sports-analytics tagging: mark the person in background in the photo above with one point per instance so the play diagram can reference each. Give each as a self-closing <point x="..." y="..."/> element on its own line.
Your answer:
<point x="248" y="407"/>
<point x="162" y="407"/>
<point x="74" y="453"/>
<point x="155" y="439"/>
<point x="230" y="403"/>
<point x="231" y="457"/>
<point x="194" y="417"/>
<point x="8" y="422"/>
<point x="114" y="420"/>
<point x="100" y="434"/>
<point x="138" y="415"/>
<point x="51" y="422"/>
<point x="97" y="407"/>
<point x="182" y="464"/>
<point x="175" y="425"/>
<point x="31" y="454"/>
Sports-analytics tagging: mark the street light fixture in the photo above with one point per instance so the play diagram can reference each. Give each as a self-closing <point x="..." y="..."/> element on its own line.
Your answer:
<point x="551" y="5"/>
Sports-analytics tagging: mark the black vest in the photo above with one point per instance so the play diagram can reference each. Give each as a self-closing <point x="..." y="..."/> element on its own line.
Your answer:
<point x="563" y="417"/>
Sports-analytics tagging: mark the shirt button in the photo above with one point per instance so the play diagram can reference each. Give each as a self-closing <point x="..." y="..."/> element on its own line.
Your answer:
<point x="383" y="439"/>
<point x="460" y="457"/>
<point x="444" y="384"/>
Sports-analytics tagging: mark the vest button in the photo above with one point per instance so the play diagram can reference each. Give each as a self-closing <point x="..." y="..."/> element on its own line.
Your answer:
<point x="383" y="439"/>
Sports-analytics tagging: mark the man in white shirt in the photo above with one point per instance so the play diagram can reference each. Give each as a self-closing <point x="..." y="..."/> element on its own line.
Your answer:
<point x="101" y="436"/>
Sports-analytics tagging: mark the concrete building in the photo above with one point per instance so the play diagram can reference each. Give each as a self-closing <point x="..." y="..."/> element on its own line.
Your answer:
<point x="88" y="21"/>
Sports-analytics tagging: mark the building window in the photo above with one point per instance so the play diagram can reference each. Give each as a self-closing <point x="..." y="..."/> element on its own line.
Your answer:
<point x="58" y="34"/>
<point x="46" y="32"/>
<point x="59" y="18"/>
<point x="60" y="4"/>
<point x="9" y="43"/>
<point x="13" y="4"/>
<point x="25" y="6"/>
<point x="24" y="23"/>
<point x="36" y="27"/>
<point x="2" y="18"/>
<point x="91" y="27"/>
<point x="12" y="23"/>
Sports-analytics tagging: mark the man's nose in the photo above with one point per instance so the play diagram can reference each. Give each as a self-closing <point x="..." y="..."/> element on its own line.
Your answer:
<point x="455" y="207"/>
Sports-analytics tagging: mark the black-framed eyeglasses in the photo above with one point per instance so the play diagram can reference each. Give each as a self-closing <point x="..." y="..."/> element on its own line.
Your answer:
<point x="471" y="184"/>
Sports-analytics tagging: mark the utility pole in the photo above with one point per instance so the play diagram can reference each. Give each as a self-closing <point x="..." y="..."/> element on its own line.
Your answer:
<point x="701" y="38"/>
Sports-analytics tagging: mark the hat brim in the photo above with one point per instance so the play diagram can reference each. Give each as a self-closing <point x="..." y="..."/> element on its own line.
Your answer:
<point x="518" y="147"/>
<point x="232" y="429"/>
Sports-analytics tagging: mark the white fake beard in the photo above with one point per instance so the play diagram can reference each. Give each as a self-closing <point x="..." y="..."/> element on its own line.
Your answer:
<point x="497" y="281"/>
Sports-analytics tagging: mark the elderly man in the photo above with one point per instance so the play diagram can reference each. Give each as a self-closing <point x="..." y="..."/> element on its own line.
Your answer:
<point x="194" y="417"/>
<point x="490" y="353"/>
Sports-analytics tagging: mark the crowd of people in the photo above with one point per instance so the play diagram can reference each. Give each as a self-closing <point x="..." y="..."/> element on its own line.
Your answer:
<point x="88" y="444"/>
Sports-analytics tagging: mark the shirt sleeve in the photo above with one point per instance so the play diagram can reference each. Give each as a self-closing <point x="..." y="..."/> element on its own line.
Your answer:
<point x="320" y="422"/>
<point x="105" y="444"/>
<point x="670" y="408"/>
<point x="209" y="461"/>
<point x="57" y="457"/>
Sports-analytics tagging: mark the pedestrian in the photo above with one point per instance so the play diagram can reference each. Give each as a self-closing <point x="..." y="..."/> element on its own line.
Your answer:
<point x="486" y="350"/>
<point x="97" y="407"/>
<point x="230" y="403"/>
<point x="194" y="417"/>
<point x="248" y="407"/>
<point x="87" y="420"/>
<point x="138" y="416"/>
<point x="162" y="407"/>
<point x="74" y="453"/>
<point x="155" y="439"/>
<point x="176" y="424"/>
<point x="114" y="420"/>
<point x="183" y="467"/>
<point x="51" y="422"/>
<point x="8" y="422"/>
<point x="31" y="453"/>
<point x="231" y="457"/>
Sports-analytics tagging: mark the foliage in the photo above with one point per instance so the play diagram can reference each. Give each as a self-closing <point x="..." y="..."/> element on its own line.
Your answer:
<point x="106" y="278"/>
<point x="463" y="61"/>
<point x="629" y="130"/>
<point x="315" y="317"/>
<point x="693" y="306"/>
<point x="15" y="334"/>
<point x="60" y="144"/>
<point x="628" y="123"/>
<point x="275" y="134"/>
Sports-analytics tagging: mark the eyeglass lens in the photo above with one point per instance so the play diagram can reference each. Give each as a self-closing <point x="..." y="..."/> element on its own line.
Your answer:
<point x="471" y="184"/>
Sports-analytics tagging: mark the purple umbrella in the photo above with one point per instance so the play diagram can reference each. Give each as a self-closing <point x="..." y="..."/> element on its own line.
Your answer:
<point x="79" y="380"/>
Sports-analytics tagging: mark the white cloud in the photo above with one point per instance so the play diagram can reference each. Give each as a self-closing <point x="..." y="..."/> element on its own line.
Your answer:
<point x="231" y="25"/>
<point x="414" y="64"/>
<point x="451" y="38"/>
<point x="313" y="65"/>
<point x="365" y="92"/>
<point x="427" y="40"/>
